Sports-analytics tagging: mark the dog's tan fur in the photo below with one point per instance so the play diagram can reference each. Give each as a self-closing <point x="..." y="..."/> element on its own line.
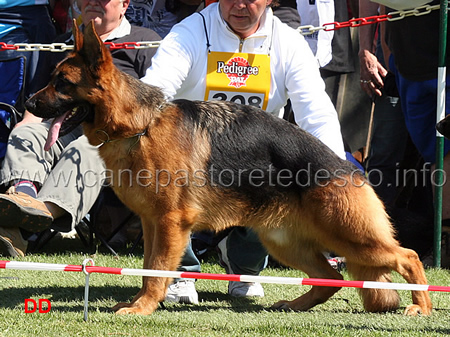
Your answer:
<point x="296" y="229"/>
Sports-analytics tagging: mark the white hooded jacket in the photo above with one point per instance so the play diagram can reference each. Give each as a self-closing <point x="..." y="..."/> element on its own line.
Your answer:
<point x="179" y="68"/>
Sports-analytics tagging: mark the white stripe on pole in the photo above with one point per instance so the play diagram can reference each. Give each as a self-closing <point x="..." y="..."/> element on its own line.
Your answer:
<point x="244" y="278"/>
<point x="152" y="273"/>
<point x="271" y="279"/>
<point x="395" y="286"/>
<point x="35" y="266"/>
<point x="440" y="112"/>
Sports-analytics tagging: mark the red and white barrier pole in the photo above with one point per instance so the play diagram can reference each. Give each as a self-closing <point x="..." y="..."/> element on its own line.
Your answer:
<point x="17" y="265"/>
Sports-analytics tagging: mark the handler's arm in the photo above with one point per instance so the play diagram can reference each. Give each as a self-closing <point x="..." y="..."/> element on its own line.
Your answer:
<point x="313" y="109"/>
<point x="171" y="63"/>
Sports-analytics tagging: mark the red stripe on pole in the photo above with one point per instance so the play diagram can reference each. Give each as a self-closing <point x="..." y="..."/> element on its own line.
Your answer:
<point x="206" y="276"/>
<point x="71" y="267"/>
<point x="439" y="288"/>
<point x="219" y="277"/>
<point x="332" y="283"/>
<point x="104" y="270"/>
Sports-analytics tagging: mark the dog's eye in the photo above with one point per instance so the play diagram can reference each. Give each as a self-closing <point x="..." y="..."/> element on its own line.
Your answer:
<point x="62" y="84"/>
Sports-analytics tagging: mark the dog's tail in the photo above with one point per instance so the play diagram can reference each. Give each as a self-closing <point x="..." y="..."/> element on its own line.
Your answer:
<point x="375" y="300"/>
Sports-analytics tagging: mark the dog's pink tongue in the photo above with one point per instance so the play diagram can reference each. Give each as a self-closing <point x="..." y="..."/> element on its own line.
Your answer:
<point x="53" y="132"/>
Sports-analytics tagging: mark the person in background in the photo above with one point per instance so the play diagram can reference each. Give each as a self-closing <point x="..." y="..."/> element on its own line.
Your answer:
<point x="287" y="12"/>
<point x="26" y="21"/>
<point x="413" y="43"/>
<point x="389" y="141"/>
<point x="160" y="15"/>
<point x="57" y="188"/>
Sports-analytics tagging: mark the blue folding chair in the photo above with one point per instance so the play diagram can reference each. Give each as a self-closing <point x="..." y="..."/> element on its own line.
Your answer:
<point x="12" y="96"/>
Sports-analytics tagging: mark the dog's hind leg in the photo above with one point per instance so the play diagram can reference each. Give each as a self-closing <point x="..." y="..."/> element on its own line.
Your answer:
<point x="366" y="239"/>
<point x="314" y="264"/>
<point x="410" y="267"/>
<point x="404" y="261"/>
<point x="164" y="252"/>
<point x="365" y="236"/>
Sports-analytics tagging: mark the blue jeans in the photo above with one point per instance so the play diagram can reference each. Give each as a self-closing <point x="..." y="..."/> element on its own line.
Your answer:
<point x="35" y="27"/>
<point x="246" y="254"/>
<point x="419" y="103"/>
<point x="19" y="35"/>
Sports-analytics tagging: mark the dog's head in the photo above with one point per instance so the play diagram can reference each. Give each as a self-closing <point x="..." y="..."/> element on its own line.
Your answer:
<point x="444" y="127"/>
<point x="75" y="86"/>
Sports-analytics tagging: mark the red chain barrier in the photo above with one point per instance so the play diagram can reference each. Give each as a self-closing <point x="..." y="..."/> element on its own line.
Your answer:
<point x="326" y="27"/>
<point x="4" y="46"/>
<point x="357" y="22"/>
<point x="123" y="45"/>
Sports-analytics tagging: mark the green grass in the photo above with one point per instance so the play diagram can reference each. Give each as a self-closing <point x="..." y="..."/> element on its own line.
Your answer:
<point x="216" y="315"/>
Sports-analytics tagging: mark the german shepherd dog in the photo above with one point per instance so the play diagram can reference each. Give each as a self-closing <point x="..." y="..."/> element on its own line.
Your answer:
<point x="214" y="165"/>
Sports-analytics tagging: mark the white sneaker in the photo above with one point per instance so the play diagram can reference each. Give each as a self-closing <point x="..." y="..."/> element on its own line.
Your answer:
<point x="182" y="292"/>
<point x="237" y="289"/>
<point x="245" y="289"/>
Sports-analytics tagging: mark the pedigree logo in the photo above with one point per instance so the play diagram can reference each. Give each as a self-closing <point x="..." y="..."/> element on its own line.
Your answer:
<point x="237" y="70"/>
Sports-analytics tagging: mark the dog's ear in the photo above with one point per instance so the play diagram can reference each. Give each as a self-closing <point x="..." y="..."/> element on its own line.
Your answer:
<point x="94" y="51"/>
<point x="78" y="37"/>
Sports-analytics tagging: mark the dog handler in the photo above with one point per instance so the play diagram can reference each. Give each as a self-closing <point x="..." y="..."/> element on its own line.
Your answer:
<point x="237" y="50"/>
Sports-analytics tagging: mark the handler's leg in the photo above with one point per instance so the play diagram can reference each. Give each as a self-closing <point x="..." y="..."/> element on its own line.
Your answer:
<point x="241" y="252"/>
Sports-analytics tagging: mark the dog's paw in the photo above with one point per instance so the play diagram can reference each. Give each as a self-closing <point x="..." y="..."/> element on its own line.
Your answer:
<point x="120" y="305"/>
<point x="281" y="306"/>
<point x="133" y="311"/>
<point x="415" y="310"/>
<point x="133" y="308"/>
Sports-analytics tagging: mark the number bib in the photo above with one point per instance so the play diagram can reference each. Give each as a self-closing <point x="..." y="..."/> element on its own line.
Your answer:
<point x="238" y="77"/>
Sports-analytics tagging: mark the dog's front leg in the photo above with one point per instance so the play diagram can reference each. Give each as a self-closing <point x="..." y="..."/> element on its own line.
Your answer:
<point x="164" y="245"/>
